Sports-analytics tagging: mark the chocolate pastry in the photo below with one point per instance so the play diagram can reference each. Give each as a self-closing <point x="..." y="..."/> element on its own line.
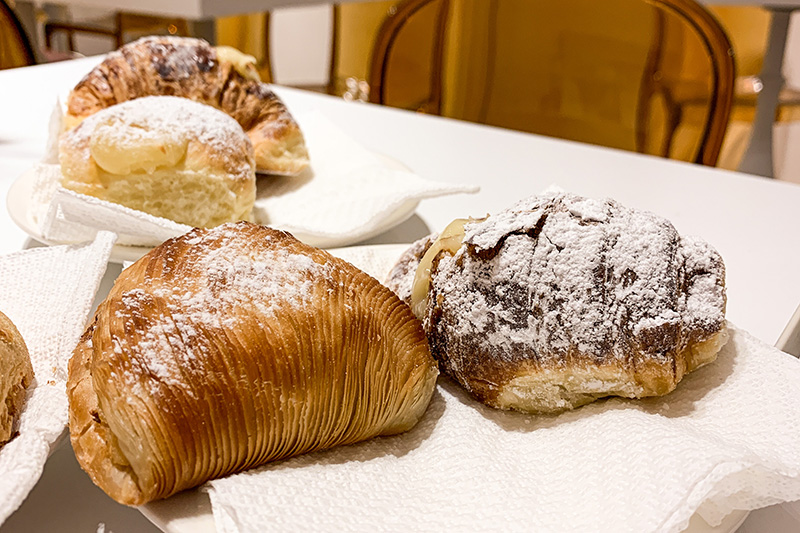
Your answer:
<point x="561" y="300"/>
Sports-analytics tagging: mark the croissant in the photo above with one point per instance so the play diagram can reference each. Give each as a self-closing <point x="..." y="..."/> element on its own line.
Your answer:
<point x="16" y="374"/>
<point x="191" y="68"/>
<point x="226" y="348"/>
<point x="561" y="300"/>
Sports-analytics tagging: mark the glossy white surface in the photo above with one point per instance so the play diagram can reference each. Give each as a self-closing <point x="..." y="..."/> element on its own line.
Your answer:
<point x="752" y="222"/>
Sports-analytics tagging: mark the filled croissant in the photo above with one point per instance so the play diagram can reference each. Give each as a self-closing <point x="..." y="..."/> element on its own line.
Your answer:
<point x="224" y="349"/>
<point x="190" y="68"/>
<point x="561" y="300"/>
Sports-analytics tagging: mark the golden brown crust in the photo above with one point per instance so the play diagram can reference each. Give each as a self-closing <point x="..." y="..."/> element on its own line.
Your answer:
<point x="190" y="68"/>
<point x="16" y="374"/>
<point x="88" y="431"/>
<point x="561" y="300"/>
<point x="227" y="348"/>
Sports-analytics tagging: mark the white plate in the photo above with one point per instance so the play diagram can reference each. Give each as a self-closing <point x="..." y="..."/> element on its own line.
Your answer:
<point x="19" y="202"/>
<point x="20" y="199"/>
<point x="190" y="512"/>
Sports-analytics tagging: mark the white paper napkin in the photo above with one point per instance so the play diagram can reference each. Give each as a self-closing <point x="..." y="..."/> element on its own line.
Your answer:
<point x="348" y="195"/>
<point x="728" y="438"/>
<point x="47" y="293"/>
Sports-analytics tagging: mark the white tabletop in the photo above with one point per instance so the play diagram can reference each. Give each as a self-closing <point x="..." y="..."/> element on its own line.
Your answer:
<point x="751" y="221"/>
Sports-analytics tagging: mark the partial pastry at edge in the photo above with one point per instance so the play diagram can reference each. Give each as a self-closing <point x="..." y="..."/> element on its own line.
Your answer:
<point x="561" y="300"/>
<point x="190" y="68"/>
<point x="223" y="349"/>
<point x="16" y="375"/>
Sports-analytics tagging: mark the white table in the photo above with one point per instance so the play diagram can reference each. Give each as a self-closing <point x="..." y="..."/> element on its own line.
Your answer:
<point x="751" y="221"/>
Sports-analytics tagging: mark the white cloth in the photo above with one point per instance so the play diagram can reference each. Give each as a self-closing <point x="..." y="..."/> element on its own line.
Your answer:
<point x="728" y="438"/>
<point x="348" y="195"/>
<point x="47" y="293"/>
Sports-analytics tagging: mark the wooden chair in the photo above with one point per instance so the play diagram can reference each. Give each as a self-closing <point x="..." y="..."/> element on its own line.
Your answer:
<point x="353" y="32"/>
<point x="119" y="27"/>
<point x="15" y="48"/>
<point x="599" y="72"/>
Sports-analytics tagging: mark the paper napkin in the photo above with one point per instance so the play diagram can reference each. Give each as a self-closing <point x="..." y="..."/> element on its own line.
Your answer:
<point x="348" y="194"/>
<point x="728" y="438"/>
<point x="48" y="294"/>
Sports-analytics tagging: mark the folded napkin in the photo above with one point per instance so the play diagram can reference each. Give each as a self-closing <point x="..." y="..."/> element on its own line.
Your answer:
<point x="728" y="438"/>
<point x="47" y="293"/>
<point x="348" y="195"/>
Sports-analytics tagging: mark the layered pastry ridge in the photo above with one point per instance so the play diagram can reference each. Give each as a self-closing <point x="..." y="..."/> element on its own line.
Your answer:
<point x="224" y="349"/>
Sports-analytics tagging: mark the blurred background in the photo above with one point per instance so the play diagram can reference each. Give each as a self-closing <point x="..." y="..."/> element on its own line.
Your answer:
<point x="628" y="74"/>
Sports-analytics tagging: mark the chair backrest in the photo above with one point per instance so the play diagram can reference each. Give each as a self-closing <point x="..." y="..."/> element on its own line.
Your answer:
<point x="15" y="48"/>
<point x="355" y="26"/>
<point x="611" y="73"/>
<point x="249" y="34"/>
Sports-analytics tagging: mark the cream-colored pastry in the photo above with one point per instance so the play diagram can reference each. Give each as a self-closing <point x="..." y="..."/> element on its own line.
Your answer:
<point x="221" y="77"/>
<point x="16" y="374"/>
<point x="167" y="156"/>
<point x="561" y="300"/>
<point x="226" y="348"/>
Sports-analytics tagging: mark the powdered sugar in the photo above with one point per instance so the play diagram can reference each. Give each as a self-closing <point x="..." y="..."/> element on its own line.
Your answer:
<point x="559" y="276"/>
<point x="168" y="120"/>
<point x="209" y="291"/>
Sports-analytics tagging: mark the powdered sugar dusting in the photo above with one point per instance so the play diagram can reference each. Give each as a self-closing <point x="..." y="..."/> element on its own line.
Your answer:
<point x="560" y="275"/>
<point x="218" y="284"/>
<point x="174" y="119"/>
<point x="485" y="237"/>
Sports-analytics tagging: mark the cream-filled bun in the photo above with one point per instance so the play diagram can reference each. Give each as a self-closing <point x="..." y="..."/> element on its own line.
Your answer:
<point x="166" y="156"/>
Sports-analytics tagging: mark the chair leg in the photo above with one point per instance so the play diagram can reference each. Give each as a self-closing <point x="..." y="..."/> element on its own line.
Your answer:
<point x="48" y="37"/>
<point x="267" y="66"/>
<point x="49" y="31"/>
<point x="120" y="33"/>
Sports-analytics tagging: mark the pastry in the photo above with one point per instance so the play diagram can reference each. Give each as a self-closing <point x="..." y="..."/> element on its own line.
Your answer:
<point x="16" y="374"/>
<point x="561" y="300"/>
<point x="221" y="77"/>
<point x="226" y="348"/>
<point x="166" y="156"/>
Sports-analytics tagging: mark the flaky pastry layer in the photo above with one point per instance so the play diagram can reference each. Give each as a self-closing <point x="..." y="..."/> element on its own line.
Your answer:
<point x="224" y="349"/>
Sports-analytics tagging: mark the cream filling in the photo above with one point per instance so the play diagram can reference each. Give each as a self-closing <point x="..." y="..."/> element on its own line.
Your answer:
<point x="449" y="241"/>
<point x="244" y="64"/>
